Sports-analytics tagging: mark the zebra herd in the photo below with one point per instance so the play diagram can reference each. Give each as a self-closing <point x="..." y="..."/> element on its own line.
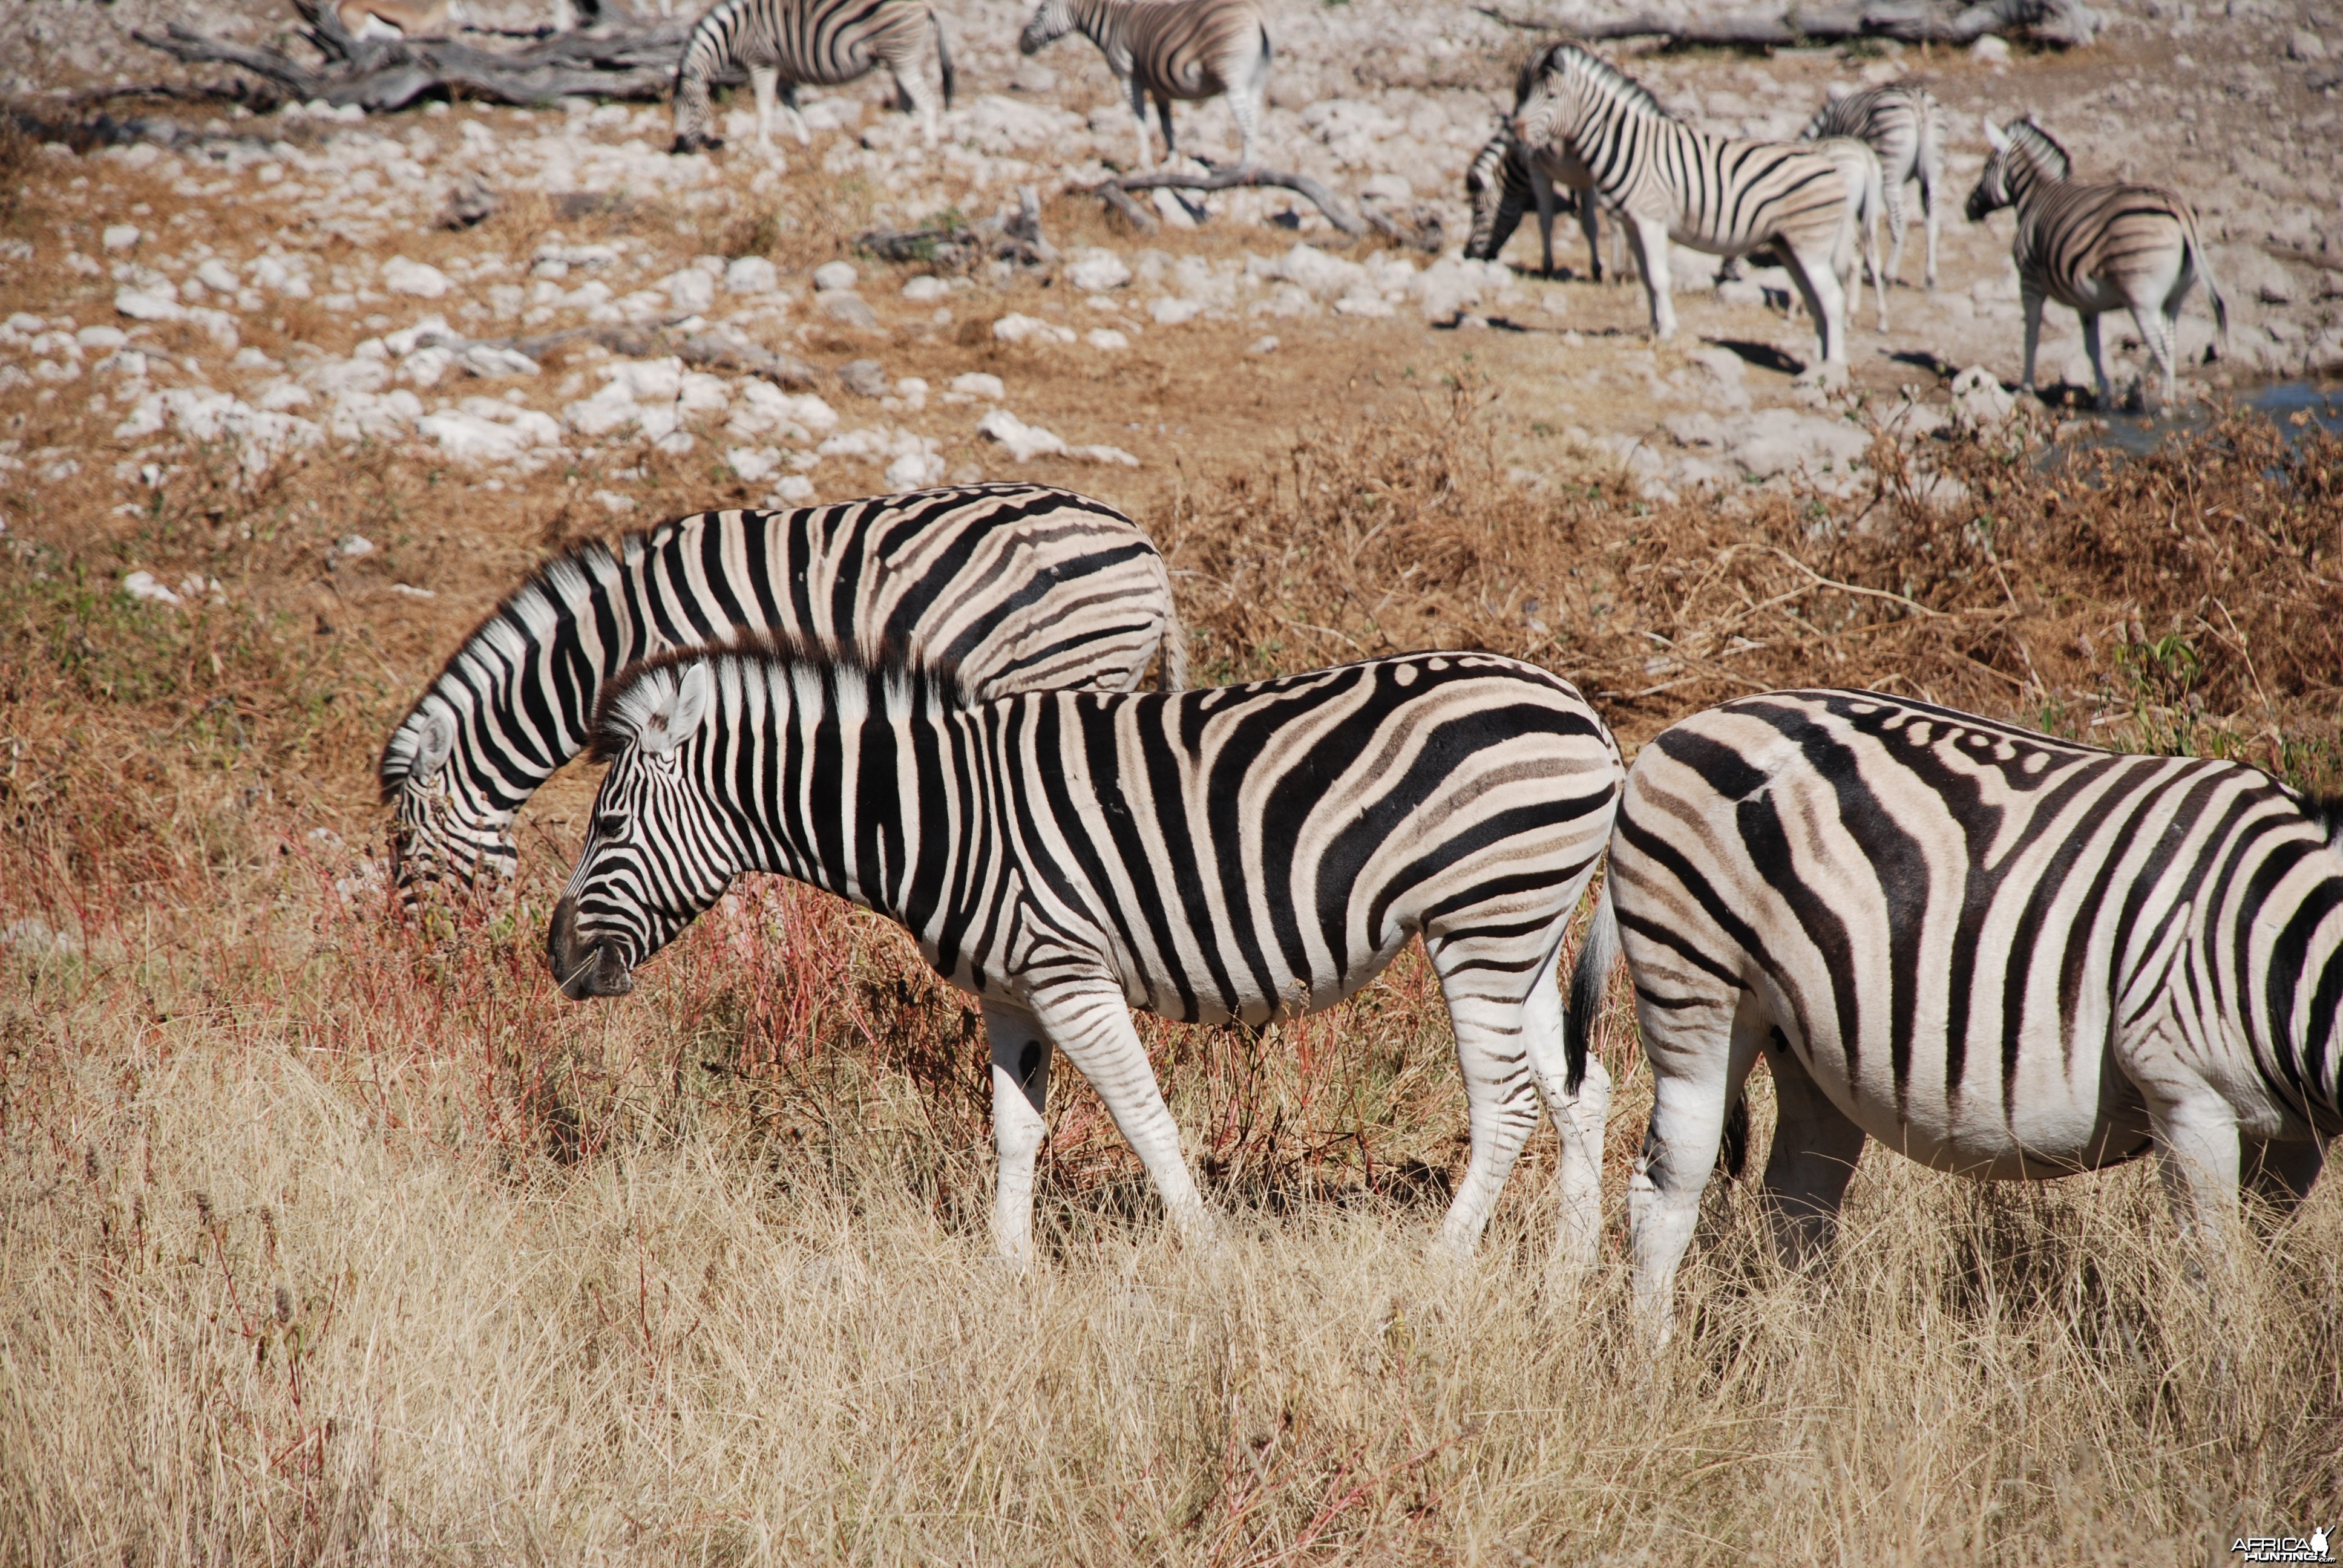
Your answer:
<point x="2000" y="953"/>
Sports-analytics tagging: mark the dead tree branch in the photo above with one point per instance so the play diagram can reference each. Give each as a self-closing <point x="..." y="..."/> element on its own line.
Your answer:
<point x="1340" y="215"/>
<point x="2063" y="23"/>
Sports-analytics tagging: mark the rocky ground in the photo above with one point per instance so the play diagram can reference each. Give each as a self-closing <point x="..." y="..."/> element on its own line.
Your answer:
<point x="285" y="282"/>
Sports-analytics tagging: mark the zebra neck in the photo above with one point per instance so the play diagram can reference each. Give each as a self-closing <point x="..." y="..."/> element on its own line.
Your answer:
<point x="1102" y="22"/>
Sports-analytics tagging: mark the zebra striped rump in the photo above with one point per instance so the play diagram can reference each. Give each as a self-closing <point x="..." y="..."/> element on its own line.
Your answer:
<point x="1170" y="49"/>
<point x="1246" y="852"/>
<point x="1903" y="125"/>
<point x="2000" y="953"/>
<point x="1017" y="587"/>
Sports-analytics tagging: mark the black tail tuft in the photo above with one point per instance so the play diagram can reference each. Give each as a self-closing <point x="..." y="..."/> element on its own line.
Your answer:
<point x="1733" y="1155"/>
<point x="1587" y="980"/>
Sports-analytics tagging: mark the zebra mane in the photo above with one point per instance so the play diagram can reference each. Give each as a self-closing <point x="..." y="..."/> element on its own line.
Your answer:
<point x="1554" y="55"/>
<point x="2040" y="147"/>
<point x="618" y="713"/>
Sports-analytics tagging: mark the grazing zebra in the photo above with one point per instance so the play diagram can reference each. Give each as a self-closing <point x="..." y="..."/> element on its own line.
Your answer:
<point x="1017" y="587"/>
<point x="789" y="42"/>
<point x="2094" y="247"/>
<point x="1244" y="852"/>
<point x="1669" y="182"/>
<point x="1186" y="49"/>
<point x="1500" y="183"/>
<point x="1903" y="125"/>
<point x="2002" y="954"/>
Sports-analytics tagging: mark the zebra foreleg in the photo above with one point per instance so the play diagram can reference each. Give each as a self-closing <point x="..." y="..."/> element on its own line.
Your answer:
<point x="1163" y="113"/>
<point x="798" y="126"/>
<point x="1816" y="1147"/>
<point x="1021" y="1095"/>
<point x="914" y="97"/>
<point x="764" y="80"/>
<point x="1700" y="1049"/>
<point x="2197" y="1135"/>
<point x="2103" y="395"/>
<point x="1138" y="121"/>
<point x="1090" y="1021"/>
<point x="2030" y="301"/>
<point x="2161" y="333"/>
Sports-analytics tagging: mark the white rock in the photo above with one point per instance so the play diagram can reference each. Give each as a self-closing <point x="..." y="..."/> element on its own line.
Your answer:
<point x="691" y="291"/>
<point x="147" y="585"/>
<point x="2302" y="44"/>
<point x="1267" y="344"/>
<point x="120" y="236"/>
<point x="487" y="360"/>
<point x="834" y="275"/>
<point x="354" y="545"/>
<point x="924" y="290"/>
<point x="1978" y="401"/>
<point x="914" y="471"/>
<point x="1107" y="340"/>
<point x="102" y="338"/>
<point x="1325" y="276"/>
<point x="1025" y="442"/>
<point x="467" y="437"/>
<point x="751" y="274"/>
<point x="414" y="278"/>
<point x="611" y="409"/>
<point x="978" y="384"/>
<point x="791" y="490"/>
<point x="1990" y="50"/>
<point x="1169" y="312"/>
<point x="347" y="374"/>
<point x="1095" y="271"/>
<point x="753" y="465"/>
<point x="1016" y="328"/>
<point x="139" y="305"/>
<point x="425" y="366"/>
<point x="1369" y="305"/>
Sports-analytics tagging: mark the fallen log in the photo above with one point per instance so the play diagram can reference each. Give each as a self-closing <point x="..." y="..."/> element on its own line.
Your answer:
<point x="621" y="58"/>
<point x="1340" y="216"/>
<point x="2067" y="24"/>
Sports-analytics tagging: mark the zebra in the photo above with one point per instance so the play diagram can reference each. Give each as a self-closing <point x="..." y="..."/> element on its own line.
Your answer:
<point x="1858" y="165"/>
<point x="1186" y="49"/>
<point x="1669" y="182"/>
<point x="789" y="42"/>
<point x="1246" y="852"/>
<point x="1903" y="125"/>
<point x="2002" y="954"/>
<point x="1500" y="183"/>
<point x="1016" y="585"/>
<point x="2094" y="247"/>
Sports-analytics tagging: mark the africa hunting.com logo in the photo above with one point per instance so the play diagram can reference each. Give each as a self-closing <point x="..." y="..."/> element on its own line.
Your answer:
<point x="2282" y="1548"/>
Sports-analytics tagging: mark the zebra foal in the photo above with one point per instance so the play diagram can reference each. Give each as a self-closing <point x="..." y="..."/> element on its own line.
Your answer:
<point x="1017" y="587"/>
<point x="1185" y="49"/>
<point x="1246" y="852"/>
<point x="787" y="42"/>
<point x="1903" y="125"/>
<point x="1501" y="184"/>
<point x="2094" y="248"/>
<point x="1668" y="180"/>
<point x="2001" y="954"/>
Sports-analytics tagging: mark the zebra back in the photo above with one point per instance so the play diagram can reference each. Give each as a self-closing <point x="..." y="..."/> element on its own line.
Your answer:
<point x="1010" y="586"/>
<point x="1962" y="918"/>
<point x="1900" y="123"/>
<point x="1191" y="49"/>
<point x="825" y="41"/>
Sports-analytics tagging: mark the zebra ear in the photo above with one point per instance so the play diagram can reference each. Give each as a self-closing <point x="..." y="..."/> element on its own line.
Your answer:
<point x="434" y="746"/>
<point x="674" y="717"/>
<point x="1999" y="142"/>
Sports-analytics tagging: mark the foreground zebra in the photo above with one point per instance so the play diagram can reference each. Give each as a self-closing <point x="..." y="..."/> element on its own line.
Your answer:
<point x="1185" y="49"/>
<point x="2094" y="248"/>
<point x="792" y="42"/>
<point x="1669" y="182"/>
<point x="1246" y="852"/>
<point x="1500" y="183"/>
<point x="1999" y="953"/>
<point x="1017" y="587"/>
<point x="1902" y="125"/>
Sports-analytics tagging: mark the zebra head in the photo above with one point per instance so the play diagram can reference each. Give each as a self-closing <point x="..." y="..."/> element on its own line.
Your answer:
<point x="706" y="52"/>
<point x="438" y="829"/>
<point x="654" y="855"/>
<point x="2023" y="152"/>
<point x="1486" y="187"/>
<point x="1051" y="22"/>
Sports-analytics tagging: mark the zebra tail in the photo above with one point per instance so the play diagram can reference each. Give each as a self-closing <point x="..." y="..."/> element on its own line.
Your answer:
<point x="1733" y="1152"/>
<point x="1595" y="959"/>
<point x="1171" y="657"/>
<point x="2212" y="289"/>
<point x="943" y="59"/>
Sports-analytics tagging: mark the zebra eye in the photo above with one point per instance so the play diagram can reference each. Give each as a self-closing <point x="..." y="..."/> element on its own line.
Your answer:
<point x="611" y="824"/>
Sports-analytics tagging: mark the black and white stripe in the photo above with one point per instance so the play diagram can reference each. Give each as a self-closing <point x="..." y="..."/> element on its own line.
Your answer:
<point x="1501" y="184"/>
<point x="2094" y="248"/>
<point x="1017" y="587"/>
<point x="2000" y="953"/>
<point x="1668" y="180"/>
<point x="1185" y="49"/>
<point x="1244" y="852"/>
<point x="1903" y="125"/>
<point x="791" y="42"/>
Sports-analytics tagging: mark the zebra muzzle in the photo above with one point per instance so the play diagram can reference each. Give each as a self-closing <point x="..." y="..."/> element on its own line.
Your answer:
<point x="583" y="971"/>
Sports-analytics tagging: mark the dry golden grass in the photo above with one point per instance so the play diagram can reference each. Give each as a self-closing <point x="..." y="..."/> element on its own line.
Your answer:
<point x="326" y="1237"/>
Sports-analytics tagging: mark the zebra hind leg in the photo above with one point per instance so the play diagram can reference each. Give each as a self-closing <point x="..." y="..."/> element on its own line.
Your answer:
<point x="763" y="80"/>
<point x="1816" y="1147"/>
<point x="1579" y="1119"/>
<point x="1818" y="281"/>
<point x="2102" y="393"/>
<point x="1891" y="197"/>
<point x="1494" y="1029"/>
<point x="2282" y="1174"/>
<point x="1699" y="1048"/>
<point x="1021" y="1094"/>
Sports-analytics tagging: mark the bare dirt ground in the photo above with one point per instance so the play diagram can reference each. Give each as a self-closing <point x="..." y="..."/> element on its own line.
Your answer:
<point x="329" y="1235"/>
